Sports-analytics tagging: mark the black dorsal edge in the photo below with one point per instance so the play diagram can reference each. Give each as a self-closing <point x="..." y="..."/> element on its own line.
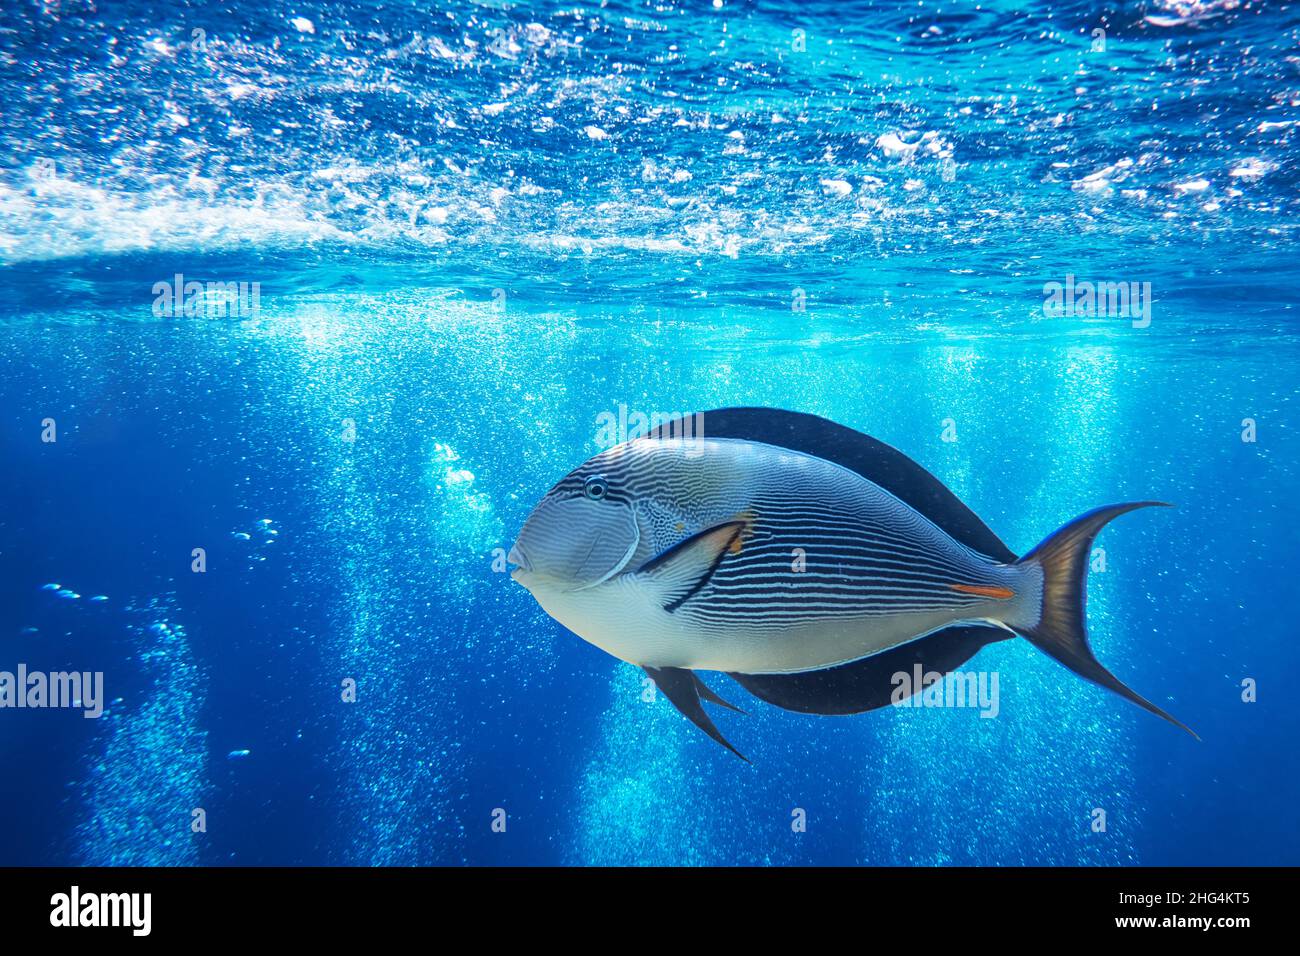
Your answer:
<point x="872" y="459"/>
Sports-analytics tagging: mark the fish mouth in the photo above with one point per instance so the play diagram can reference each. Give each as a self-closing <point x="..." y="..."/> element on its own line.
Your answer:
<point x="521" y="562"/>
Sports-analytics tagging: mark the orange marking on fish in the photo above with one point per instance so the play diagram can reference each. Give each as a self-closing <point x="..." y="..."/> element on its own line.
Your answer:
<point x="738" y="542"/>
<point x="1001" y="594"/>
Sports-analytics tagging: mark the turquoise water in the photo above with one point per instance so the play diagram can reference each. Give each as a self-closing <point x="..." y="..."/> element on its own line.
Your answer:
<point x="458" y="278"/>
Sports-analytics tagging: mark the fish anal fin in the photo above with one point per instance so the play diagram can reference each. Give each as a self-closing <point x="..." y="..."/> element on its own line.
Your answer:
<point x="683" y="689"/>
<point x="869" y="684"/>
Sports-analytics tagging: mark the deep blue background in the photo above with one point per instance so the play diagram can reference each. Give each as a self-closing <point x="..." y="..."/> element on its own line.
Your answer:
<point x="363" y="174"/>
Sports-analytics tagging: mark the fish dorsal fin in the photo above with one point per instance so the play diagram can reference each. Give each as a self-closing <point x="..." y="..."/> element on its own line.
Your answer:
<point x="872" y="459"/>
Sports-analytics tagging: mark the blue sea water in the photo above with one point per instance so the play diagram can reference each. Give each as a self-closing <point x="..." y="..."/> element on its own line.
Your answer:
<point x="475" y="229"/>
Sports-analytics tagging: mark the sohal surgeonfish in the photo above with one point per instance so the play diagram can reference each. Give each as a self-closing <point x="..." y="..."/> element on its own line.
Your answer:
<point x="808" y="561"/>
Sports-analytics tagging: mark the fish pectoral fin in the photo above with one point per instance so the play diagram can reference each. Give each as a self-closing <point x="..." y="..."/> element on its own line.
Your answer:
<point x="680" y="571"/>
<point x="684" y="690"/>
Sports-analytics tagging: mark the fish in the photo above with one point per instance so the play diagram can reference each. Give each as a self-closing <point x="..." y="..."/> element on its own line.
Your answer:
<point x="809" y="562"/>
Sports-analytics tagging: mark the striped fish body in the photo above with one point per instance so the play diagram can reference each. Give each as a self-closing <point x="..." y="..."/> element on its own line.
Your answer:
<point x="810" y="562"/>
<point x="812" y="565"/>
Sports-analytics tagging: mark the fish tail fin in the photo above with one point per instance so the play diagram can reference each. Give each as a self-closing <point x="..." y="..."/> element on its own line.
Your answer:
<point x="1060" y="629"/>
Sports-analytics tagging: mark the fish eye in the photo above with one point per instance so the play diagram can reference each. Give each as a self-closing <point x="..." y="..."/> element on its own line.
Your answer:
<point x="595" y="487"/>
